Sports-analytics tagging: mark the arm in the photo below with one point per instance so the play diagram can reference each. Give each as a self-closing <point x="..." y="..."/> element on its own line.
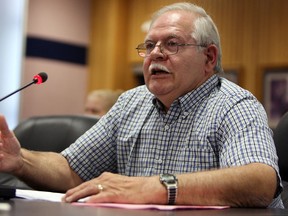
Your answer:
<point x="47" y="171"/>
<point x="38" y="169"/>
<point x="252" y="185"/>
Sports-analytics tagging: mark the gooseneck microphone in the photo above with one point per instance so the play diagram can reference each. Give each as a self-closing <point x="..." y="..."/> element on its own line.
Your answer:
<point x="37" y="79"/>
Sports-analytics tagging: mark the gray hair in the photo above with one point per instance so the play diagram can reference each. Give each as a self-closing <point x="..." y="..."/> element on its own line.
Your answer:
<point x="205" y="30"/>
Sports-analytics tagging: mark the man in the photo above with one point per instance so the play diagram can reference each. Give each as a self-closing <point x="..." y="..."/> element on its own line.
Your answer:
<point x="98" y="102"/>
<point x="187" y="137"/>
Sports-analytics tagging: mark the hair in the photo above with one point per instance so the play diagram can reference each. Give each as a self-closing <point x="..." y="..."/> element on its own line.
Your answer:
<point x="108" y="96"/>
<point x="205" y="31"/>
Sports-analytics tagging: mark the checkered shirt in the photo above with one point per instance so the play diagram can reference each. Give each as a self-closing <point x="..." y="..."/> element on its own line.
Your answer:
<point x="217" y="125"/>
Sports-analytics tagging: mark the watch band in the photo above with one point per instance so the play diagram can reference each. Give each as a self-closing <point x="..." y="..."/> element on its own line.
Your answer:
<point x="171" y="183"/>
<point x="172" y="194"/>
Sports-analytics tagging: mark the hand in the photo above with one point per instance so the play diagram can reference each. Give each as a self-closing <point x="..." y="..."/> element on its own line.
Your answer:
<point x="10" y="149"/>
<point x="116" y="188"/>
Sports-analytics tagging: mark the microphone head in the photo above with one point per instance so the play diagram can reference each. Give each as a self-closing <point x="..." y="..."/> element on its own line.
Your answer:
<point x="40" y="78"/>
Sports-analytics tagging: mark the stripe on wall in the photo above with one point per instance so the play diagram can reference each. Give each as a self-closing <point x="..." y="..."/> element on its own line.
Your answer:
<point x="44" y="48"/>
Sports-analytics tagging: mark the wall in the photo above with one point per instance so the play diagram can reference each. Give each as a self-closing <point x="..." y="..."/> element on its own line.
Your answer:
<point x="253" y="34"/>
<point x="12" y="24"/>
<point x="109" y="66"/>
<point x="55" y="28"/>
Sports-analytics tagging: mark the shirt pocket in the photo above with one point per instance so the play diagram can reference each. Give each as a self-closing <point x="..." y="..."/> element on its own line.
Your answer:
<point x="197" y="154"/>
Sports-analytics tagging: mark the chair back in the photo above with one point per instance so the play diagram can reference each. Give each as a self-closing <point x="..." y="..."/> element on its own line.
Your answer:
<point x="281" y="143"/>
<point x="47" y="133"/>
<point x="52" y="133"/>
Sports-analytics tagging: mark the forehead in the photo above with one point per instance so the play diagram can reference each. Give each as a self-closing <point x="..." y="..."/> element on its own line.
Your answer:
<point x="177" y="23"/>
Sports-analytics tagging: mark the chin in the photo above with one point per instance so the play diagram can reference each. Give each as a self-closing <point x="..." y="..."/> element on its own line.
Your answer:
<point x="158" y="91"/>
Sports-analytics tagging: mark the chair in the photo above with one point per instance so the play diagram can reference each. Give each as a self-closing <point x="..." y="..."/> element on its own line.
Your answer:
<point x="281" y="143"/>
<point x="52" y="133"/>
<point x="48" y="133"/>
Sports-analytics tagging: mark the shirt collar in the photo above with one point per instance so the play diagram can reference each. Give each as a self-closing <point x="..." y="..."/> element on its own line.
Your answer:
<point x="188" y="102"/>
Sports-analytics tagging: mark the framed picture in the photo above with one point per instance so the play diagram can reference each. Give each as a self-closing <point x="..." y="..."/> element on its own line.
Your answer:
<point x="275" y="97"/>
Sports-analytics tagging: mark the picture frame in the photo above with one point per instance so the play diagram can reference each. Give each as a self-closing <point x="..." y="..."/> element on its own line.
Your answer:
<point x="275" y="94"/>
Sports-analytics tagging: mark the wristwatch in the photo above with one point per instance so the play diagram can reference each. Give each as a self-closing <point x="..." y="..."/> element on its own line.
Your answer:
<point x="171" y="183"/>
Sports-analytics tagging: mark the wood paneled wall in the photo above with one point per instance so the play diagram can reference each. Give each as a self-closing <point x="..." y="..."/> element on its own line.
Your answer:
<point x="254" y="35"/>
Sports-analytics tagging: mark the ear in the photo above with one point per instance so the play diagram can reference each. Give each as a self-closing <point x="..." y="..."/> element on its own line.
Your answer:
<point x="211" y="53"/>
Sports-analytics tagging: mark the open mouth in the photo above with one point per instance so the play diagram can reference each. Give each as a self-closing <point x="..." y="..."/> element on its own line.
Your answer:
<point x="158" y="71"/>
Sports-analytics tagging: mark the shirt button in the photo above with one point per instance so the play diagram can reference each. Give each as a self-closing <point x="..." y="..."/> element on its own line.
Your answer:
<point x="159" y="161"/>
<point x="166" y="127"/>
<point x="186" y="113"/>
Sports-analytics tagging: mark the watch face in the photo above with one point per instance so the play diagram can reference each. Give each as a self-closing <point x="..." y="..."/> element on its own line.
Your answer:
<point x="168" y="178"/>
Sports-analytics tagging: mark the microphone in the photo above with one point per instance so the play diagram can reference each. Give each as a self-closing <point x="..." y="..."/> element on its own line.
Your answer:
<point x="37" y="79"/>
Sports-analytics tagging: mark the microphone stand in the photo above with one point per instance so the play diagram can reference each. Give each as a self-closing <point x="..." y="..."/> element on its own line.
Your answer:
<point x="18" y="90"/>
<point x="38" y="79"/>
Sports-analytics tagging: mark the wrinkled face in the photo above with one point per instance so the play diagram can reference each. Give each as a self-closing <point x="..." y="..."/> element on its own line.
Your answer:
<point x="171" y="76"/>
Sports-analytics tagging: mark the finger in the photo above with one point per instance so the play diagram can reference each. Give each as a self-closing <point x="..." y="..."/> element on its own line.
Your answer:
<point x="5" y="132"/>
<point x="106" y="196"/>
<point x="81" y="192"/>
<point x="75" y="189"/>
<point x="98" y="198"/>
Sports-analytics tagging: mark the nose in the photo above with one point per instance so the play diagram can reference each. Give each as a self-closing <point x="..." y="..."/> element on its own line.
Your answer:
<point x="157" y="52"/>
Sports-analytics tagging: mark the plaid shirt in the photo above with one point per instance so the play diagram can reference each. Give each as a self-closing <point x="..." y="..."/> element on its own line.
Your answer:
<point x="217" y="125"/>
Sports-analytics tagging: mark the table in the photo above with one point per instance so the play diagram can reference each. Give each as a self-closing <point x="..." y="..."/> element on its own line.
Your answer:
<point x="22" y="207"/>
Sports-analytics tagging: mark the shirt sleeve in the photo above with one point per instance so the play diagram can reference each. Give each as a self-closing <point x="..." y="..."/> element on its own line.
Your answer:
<point x="95" y="151"/>
<point x="247" y="137"/>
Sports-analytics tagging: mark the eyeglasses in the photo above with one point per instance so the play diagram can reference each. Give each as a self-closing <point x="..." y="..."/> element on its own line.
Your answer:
<point x="168" y="48"/>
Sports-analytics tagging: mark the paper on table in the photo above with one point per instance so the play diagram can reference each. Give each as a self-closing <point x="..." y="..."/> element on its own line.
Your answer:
<point x="39" y="195"/>
<point x="148" y="206"/>
<point x="56" y="197"/>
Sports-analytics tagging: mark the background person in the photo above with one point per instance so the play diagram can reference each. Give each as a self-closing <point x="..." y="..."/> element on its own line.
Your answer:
<point x="98" y="102"/>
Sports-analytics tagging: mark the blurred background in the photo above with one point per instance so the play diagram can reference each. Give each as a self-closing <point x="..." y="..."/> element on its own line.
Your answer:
<point x="85" y="45"/>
